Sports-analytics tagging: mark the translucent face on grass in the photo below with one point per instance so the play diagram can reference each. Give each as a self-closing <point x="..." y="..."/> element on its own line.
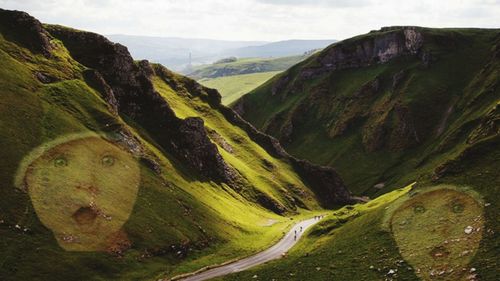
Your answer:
<point x="438" y="233"/>
<point x="84" y="191"/>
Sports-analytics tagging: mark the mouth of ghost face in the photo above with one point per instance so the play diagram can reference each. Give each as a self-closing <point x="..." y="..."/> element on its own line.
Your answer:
<point x="85" y="216"/>
<point x="439" y="252"/>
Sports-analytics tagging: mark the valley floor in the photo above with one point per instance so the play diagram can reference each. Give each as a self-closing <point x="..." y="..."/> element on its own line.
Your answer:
<point x="276" y="251"/>
<point x="233" y="87"/>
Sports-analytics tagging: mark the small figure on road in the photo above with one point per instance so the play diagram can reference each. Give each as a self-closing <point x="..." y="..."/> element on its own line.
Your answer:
<point x="301" y="229"/>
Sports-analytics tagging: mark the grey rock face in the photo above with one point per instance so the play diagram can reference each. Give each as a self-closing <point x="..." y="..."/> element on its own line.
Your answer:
<point x="379" y="48"/>
<point x="324" y="181"/>
<point x="128" y="89"/>
<point x="25" y="30"/>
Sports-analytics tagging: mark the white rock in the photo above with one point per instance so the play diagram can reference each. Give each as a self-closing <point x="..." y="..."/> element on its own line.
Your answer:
<point x="468" y="229"/>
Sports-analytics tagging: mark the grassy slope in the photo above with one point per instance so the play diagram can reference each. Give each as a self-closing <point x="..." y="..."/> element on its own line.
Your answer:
<point x="173" y="209"/>
<point x="233" y="87"/>
<point x="362" y="249"/>
<point x="341" y="247"/>
<point x="428" y="92"/>
<point x="245" y="66"/>
<point x="355" y="244"/>
<point x="234" y="79"/>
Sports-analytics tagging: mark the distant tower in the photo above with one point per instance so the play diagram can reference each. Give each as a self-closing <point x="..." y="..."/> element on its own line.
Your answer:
<point x="189" y="67"/>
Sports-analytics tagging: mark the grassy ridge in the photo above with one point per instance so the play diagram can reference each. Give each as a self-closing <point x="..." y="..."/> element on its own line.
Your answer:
<point x="178" y="224"/>
<point x="236" y="77"/>
<point x="355" y="243"/>
<point x="332" y="125"/>
<point x="233" y="87"/>
<point x="245" y="66"/>
<point x="453" y="104"/>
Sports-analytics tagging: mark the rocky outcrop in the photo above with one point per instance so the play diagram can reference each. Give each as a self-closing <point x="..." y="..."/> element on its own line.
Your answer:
<point x="324" y="181"/>
<point x="95" y="80"/>
<point x="198" y="150"/>
<point x="126" y="85"/>
<point x="188" y="86"/>
<point x="269" y="203"/>
<point x="127" y="88"/>
<point x="489" y="126"/>
<point x="404" y="134"/>
<point x="239" y="106"/>
<point x="373" y="48"/>
<point x="377" y="47"/>
<point x="270" y="144"/>
<point x="374" y="134"/>
<point x="219" y="140"/>
<point x="397" y="79"/>
<point x="25" y="30"/>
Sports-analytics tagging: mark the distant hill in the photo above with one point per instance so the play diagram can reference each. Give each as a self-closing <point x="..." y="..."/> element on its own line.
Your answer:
<point x="244" y="66"/>
<point x="234" y="77"/>
<point x="233" y="87"/>
<point x="174" y="52"/>
<point x="280" y="48"/>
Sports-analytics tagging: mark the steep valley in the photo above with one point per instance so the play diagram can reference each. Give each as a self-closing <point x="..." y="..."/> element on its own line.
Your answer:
<point x="206" y="188"/>
<point x="387" y="143"/>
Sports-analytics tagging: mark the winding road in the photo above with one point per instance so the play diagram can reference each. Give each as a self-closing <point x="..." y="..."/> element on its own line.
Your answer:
<point x="275" y="252"/>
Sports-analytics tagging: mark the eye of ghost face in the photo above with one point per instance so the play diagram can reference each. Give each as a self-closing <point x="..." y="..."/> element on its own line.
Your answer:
<point x="457" y="207"/>
<point x="60" y="161"/>
<point x="108" y="160"/>
<point x="419" y="209"/>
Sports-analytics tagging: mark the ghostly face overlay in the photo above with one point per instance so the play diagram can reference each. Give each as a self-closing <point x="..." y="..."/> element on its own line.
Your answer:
<point x="84" y="191"/>
<point x="438" y="233"/>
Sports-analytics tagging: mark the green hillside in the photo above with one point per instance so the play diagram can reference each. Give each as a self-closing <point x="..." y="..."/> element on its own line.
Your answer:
<point x="387" y="108"/>
<point x="386" y="115"/>
<point x="115" y="169"/>
<point x="359" y="243"/>
<point x="205" y="187"/>
<point x="238" y="66"/>
<point x="234" y="77"/>
<point x="233" y="87"/>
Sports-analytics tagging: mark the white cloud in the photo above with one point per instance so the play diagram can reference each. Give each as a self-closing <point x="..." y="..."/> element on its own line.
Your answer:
<point x="257" y="19"/>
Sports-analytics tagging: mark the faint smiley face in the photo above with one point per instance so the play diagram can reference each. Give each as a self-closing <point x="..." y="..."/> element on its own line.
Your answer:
<point x="438" y="233"/>
<point x="84" y="191"/>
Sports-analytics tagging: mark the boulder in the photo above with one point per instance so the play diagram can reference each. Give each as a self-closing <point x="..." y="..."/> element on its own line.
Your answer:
<point x="25" y="30"/>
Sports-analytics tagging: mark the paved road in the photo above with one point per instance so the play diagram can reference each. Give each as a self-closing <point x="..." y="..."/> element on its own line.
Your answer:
<point x="274" y="252"/>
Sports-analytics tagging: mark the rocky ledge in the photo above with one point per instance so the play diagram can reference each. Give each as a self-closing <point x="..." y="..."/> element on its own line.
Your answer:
<point x="127" y="87"/>
<point x="25" y="30"/>
<point x="324" y="181"/>
<point x="375" y="47"/>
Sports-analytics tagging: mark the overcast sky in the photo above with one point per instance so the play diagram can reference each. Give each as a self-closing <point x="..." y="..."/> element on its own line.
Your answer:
<point x="269" y="20"/>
